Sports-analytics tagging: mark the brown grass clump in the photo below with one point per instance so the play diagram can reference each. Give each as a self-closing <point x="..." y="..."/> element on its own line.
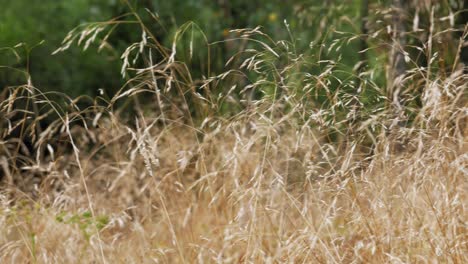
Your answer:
<point x="248" y="190"/>
<point x="285" y="179"/>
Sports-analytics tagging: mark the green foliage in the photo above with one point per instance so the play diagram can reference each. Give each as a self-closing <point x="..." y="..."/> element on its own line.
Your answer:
<point x="41" y="25"/>
<point x="85" y="221"/>
<point x="316" y="30"/>
<point x="44" y="24"/>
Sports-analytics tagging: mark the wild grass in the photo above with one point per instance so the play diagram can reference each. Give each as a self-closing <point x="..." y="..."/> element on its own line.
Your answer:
<point x="267" y="162"/>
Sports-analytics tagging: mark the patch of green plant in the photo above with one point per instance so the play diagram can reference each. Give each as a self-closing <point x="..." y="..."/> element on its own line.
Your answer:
<point x="85" y="222"/>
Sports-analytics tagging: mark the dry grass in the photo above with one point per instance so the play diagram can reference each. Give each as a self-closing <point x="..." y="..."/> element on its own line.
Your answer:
<point x="265" y="185"/>
<point x="267" y="193"/>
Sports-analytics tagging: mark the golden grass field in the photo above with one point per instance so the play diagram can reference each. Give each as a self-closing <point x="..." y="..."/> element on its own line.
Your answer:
<point x="272" y="183"/>
<point x="250" y="190"/>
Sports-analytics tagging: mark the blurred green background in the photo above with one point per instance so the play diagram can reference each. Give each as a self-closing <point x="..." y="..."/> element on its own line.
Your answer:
<point x="42" y="24"/>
